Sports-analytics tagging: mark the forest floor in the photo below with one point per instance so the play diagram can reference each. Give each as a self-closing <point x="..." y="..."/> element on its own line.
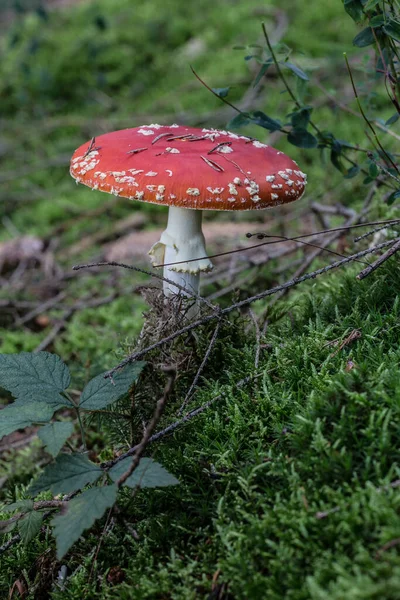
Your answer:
<point x="289" y="477"/>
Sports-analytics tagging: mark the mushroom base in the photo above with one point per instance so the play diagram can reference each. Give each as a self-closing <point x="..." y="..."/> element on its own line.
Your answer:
<point x="182" y="243"/>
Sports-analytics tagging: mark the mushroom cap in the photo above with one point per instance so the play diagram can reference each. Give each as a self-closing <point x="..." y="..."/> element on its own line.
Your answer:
<point x="205" y="169"/>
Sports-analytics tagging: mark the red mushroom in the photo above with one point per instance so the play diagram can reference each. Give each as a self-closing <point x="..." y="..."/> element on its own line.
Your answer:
<point x="189" y="170"/>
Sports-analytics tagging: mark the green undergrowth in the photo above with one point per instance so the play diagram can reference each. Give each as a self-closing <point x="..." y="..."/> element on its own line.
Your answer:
<point x="317" y="431"/>
<point x="68" y="75"/>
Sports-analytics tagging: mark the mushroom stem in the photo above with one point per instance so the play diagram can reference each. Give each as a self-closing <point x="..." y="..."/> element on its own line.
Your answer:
<point x="183" y="240"/>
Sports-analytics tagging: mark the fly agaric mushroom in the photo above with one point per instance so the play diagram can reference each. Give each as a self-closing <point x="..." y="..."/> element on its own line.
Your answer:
<point x="189" y="170"/>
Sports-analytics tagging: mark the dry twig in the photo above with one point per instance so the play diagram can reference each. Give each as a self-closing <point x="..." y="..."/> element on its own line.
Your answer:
<point x="291" y="283"/>
<point x="371" y="268"/>
<point x="200" y="369"/>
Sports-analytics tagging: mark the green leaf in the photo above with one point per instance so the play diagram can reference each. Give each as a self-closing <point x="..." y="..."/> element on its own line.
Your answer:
<point x="302" y="138"/>
<point x="364" y="38"/>
<point x="371" y="4"/>
<point x="221" y="92"/>
<point x="238" y="121"/>
<point x="301" y="118"/>
<point x="352" y="172"/>
<point x="68" y="473"/>
<point x="264" y="68"/>
<point x="101" y="392"/>
<point x="14" y="416"/>
<point x="35" y="377"/>
<point x="354" y="8"/>
<point x="373" y="170"/>
<point x="393" y="197"/>
<point x="148" y="474"/>
<point x="377" y="21"/>
<point x="54" y="436"/>
<point x="261" y="119"/>
<point x="81" y="514"/>
<point x="296" y="70"/>
<point x="392" y="119"/>
<point x="392" y="29"/>
<point x="20" y="505"/>
<point x="29" y="526"/>
<point x="335" y="159"/>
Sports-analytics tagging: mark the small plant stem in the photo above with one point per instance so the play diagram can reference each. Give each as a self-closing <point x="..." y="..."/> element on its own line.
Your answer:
<point x="281" y="75"/>
<point x="140" y="448"/>
<point x="224" y="100"/>
<point x="365" y="116"/>
<point x="288" y="284"/>
<point x="78" y="414"/>
<point x="81" y="428"/>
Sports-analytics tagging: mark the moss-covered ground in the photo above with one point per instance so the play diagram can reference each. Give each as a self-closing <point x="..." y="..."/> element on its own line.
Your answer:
<point x="288" y="483"/>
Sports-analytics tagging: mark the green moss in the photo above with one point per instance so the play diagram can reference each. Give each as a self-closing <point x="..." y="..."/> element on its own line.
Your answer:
<point x="319" y="429"/>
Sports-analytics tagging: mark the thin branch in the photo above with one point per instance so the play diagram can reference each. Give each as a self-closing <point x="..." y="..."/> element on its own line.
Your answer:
<point x="224" y="100"/>
<point x="278" y="241"/>
<point x="375" y="230"/>
<point x="171" y="428"/>
<point x="375" y="265"/>
<point x="41" y="308"/>
<point x="201" y="367"/>
<point x="140" y="448"/>
<point x="366" y="118"/>
<point x="145" y="272"/>
<point x="291" y="283"/>
<point x="282" y="77"/>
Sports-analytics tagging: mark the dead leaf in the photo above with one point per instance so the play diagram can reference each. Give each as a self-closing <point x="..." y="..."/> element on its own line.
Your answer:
<point x="26" y="248"/>
<point x="115" y="575"/>
<point x="20" y="586"/>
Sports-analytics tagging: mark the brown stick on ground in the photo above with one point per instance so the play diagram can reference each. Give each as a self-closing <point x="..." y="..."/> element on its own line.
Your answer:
<point x="140" y="448"/>
<point x="368" y="270"/>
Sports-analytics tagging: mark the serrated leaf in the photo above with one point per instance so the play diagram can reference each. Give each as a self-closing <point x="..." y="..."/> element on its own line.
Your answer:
<point x="238" y="121"/>
<point x="29" y="526"/>
<point x="364" y="38"/>
<point x="101" y="392"/>
<point x="39" y="377"/>
<point x="14" y="416"/>
<point x="392" y="29"/>
<point x="148" y="474"/>
<point x="221" y="92"/>
<point x="296" y="70"/>
<point x="261" y="119"/>
<point x="20" y="505"/>
<point x="68" y="473"/>
<point x="81" y="514"/>
<point x="354" y="8"/>
<point x="54" y="436"/>
<point x="302" y="138"/>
